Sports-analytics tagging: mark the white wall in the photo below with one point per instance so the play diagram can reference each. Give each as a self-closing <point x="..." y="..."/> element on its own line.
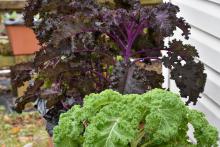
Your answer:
<point x="204" y="17"/>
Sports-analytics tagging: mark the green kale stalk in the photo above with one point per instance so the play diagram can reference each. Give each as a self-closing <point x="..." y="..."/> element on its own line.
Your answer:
<point x="156" y="118"/>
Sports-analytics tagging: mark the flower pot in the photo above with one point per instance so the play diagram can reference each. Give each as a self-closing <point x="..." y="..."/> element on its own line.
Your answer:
<point x="22" y="40"/>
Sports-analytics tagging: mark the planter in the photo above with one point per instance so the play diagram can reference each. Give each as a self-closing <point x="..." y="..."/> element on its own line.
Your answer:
<point x="22" y="40"/>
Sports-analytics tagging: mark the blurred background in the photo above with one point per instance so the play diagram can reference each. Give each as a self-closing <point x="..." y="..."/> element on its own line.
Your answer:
<point x="17" y="44"/>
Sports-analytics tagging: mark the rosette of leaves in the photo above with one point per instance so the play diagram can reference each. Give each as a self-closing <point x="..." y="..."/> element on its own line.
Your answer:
<point x="88" y="46"/>
<point x="155" y="118"/>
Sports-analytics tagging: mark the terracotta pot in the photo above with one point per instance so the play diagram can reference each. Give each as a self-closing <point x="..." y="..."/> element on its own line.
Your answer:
<point x="22" y="40"/>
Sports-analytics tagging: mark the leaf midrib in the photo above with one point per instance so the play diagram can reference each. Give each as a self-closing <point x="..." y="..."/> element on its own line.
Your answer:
<point x="112" y="130"/>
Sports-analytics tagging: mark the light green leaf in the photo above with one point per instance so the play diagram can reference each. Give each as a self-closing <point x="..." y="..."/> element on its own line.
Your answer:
<point x="165" y="117"/>
<point x="109" y="129"/>
<point x="156" y="118"/>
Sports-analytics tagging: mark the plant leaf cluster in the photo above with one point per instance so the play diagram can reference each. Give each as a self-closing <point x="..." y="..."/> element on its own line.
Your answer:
<point x="155" y="118"/>
<point x="89" y="46"/>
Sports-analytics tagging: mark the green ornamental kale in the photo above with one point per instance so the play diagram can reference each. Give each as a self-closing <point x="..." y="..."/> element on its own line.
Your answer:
<point x="156" y="118"/>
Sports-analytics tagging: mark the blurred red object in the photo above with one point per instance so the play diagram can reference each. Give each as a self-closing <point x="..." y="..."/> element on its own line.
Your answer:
<point x="22" y="39"/>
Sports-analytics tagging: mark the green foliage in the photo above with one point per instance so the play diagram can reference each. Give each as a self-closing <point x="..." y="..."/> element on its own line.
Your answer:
<point x="109" y="119"/>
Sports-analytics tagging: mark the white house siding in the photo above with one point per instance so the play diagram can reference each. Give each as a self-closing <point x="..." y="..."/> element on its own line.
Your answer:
<point x="204" y="17"/>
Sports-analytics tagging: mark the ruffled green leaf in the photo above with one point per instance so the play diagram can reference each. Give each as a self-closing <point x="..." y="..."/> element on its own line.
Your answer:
<point x="156" y="118"/>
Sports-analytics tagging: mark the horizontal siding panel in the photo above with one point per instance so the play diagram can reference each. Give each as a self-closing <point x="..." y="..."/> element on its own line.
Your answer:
<point x="208" y="48"/>
<point x="212" y="88"/>
<point x="202" y="14"/>
<point x="215" y="1"/>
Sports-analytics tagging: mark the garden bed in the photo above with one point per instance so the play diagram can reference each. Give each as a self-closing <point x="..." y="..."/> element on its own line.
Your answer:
<point x="19" y="130"/>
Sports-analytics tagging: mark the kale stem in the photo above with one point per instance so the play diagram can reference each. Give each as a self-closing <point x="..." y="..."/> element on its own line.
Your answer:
<point x="138" y="139"/>
<point x="147" y="144"/>
<point x="130" y="41"/>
